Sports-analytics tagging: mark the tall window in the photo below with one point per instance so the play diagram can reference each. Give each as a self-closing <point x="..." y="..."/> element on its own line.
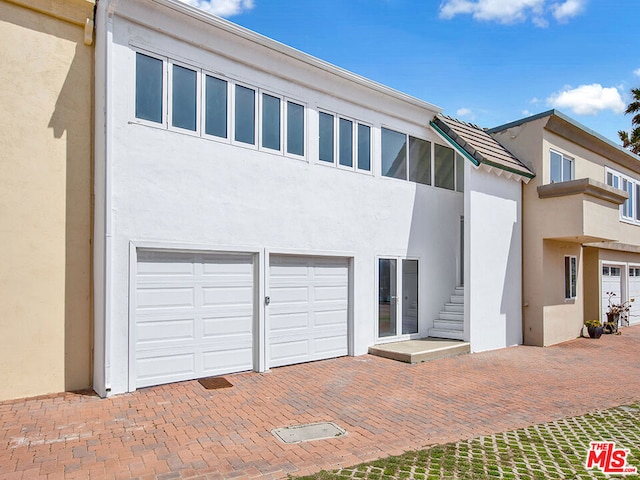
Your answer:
<point x="326" y="136"/>
<point x="419" y="161"/>
<point x="270" y="122"/>
<point x="184" y="98"/>
<point x="345" y="144"/>
<point x="215" y="107"/>
<point x="570" y="276"/>
<point x="394" y="154"/>
<point x="444" y="166"/>
<point x="561" y="167"/>
<point x="149" y="88"/>
<point x="295" y="128"/>
<point x="245" y="124"/>
<point x="364" y="147"/>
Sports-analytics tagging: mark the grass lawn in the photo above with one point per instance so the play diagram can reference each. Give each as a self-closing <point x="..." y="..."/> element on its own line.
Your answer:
<point x="555" y="450"/>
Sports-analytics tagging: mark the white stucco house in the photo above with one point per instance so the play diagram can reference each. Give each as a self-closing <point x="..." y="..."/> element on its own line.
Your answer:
<point x="257" y="207"/>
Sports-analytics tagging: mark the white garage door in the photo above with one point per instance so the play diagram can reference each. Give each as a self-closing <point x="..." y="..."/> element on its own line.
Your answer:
<point x="634" y="292"/>
<point x="308" y="313"/>
<point x="194" y="316"/>
<point x="610" y="283"/>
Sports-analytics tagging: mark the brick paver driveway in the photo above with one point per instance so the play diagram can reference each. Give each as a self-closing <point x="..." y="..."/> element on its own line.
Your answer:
<point x="182" y="430"/>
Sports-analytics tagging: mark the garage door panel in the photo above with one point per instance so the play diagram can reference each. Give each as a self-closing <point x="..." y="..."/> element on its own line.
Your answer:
<point x="289" y="352"/>
<point x="229" y="295"/>
<point x="220" y="362"/>
<point x="162" y="298"/>
<point x="332" y="292"/>
<point x="330" y="318"/>
<point x="227" y="326"/>
<point x="178" y="330"/>
<point x="194" y="316"/>
<point x="334" y="345"/>
<point x="634" y="292"/>
<point x="285" y="322"/>
<point x="156" y="368"/>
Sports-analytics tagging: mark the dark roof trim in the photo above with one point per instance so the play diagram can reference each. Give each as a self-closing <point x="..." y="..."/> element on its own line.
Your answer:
<point x="469" y="152"/>
<point x="452" y="141"/>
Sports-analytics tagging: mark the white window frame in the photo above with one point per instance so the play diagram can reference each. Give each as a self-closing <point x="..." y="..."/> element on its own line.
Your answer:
<point x="285" y="128"/>
<point x="203" y="110"/>
<point x="621" y="179"/>
<point x="573" y="287"/>
<point x="169" y="97"/>
<point x="256" y="116"/>
<point x="357" y="151"/>
<point x="354" y="142"/>
<point x="165" y="90"/>
<point x="260" y="111"/>
<point x="563" y="157"/>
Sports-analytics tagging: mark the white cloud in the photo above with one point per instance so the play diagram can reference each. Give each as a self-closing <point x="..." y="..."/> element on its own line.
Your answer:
<point x="562" y="12"/>
<point x="526" y="113"/>
<point x="636" y="72"/>
<point x="513" y="11"/>
<point x="222" y="8"/>
<point x="534" y="100"/>
<point x="465" y="112"/>
<point x="588" y="99"/>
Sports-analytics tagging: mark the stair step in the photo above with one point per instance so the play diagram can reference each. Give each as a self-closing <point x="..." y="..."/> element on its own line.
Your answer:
<point x="456" y="316"/>
<point x="444" y="324"/>
<point x="454" y="307"/>
<point x="457" y="299"/>
<point x="441" y="333"/>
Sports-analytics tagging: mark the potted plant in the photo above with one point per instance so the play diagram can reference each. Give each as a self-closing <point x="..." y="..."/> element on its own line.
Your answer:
<point x="594" y="327"/>
<point x="615" y="312"/>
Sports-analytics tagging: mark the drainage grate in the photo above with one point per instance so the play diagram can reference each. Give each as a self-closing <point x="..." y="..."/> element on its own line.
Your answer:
<point x="213" y="383"/>
<point x="308" y="432"/>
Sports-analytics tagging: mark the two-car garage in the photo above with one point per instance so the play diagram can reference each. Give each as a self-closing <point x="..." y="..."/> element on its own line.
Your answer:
<point x="196" y="314"/>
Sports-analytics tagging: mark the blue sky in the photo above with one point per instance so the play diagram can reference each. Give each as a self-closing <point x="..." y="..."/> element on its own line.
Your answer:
<point x="488" y="62"/>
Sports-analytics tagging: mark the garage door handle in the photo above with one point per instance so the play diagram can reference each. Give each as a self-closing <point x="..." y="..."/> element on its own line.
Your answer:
<point x="267" y="300"/>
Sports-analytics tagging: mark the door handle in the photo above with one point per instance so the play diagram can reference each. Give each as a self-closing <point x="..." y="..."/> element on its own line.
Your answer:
<point x="267" y="300"/>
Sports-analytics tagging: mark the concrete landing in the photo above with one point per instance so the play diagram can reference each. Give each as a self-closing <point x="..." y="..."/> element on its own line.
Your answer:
<point x="422" y="350"/>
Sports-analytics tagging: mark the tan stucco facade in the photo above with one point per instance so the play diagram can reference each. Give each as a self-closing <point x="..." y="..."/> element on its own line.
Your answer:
<point x="579" y="218"/>
<point x="45" y="196"/>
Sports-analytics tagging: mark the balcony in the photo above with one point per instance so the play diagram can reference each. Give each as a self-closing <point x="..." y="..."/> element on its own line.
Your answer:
<point x="582" y="210"/>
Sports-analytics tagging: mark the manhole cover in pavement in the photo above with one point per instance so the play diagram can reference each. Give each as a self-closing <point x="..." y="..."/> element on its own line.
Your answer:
<point x="308" y="432"/>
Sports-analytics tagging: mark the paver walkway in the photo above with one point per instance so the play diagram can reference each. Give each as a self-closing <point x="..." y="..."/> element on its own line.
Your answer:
<point x="183" y="431"/>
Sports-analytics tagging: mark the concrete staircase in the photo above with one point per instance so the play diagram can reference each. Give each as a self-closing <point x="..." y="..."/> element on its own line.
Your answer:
<point x="450" y="323"/>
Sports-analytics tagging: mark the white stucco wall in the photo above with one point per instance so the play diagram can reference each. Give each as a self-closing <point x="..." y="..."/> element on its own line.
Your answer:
<point x="175" y="190"/>
<point x="493" y="278"/>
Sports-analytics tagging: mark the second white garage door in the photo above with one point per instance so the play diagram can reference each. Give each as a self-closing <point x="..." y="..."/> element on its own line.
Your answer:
<point x="308" y="314"/>
<point x="634" y="292"/>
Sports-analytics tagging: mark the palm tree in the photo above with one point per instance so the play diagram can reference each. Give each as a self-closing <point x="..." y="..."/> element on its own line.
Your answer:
<point x="632" y="142"/>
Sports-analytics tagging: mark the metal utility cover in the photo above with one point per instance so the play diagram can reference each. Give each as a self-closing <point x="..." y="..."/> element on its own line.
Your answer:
<point x="308" y="432"/>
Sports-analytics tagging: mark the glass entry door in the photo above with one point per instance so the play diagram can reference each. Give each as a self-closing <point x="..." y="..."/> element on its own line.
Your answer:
<point x="397" y="314"/>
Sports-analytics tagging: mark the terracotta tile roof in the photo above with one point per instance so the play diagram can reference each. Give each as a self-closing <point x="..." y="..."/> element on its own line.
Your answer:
<point x="478" y="146"/>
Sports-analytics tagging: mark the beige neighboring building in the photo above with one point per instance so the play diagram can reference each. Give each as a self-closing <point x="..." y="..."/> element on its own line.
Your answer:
<point x="46" y="55"/>
<point x="581" y="229"/>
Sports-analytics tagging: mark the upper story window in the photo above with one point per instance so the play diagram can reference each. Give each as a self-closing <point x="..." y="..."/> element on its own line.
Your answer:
<point x="344" y="139"/>
<point x="149" y="86"/>
<point x="425" y="163"/>
<point x="561" y="167"/>
<point x="184" y="98"/>
<point x="629" y="210"/>
<point x="227" y="110"/>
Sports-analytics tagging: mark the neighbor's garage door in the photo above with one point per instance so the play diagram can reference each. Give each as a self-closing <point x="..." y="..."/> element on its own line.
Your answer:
<point x="634" y="292"/>
<point x="308" y="313"/>
<point x="193" y="317"/>
<point x="610" y="283"/>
